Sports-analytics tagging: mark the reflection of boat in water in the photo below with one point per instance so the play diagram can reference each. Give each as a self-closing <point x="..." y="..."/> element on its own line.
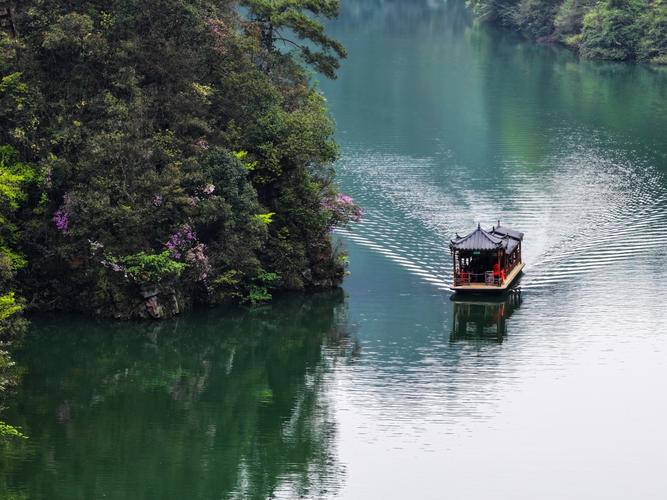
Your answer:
<point x="486" y="261"/>
<point x="485" y="318"/>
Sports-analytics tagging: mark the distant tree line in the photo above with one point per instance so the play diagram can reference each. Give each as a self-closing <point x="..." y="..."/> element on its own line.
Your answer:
<point x="617" y="30"/>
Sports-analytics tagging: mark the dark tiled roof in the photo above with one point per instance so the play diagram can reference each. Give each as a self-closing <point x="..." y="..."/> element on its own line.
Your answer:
<point x="502" y="231"/>
<point x="479" y="239"/>
<point x="511" y="245"/>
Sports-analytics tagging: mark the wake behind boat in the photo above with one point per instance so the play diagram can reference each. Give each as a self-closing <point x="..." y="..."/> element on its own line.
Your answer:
<point x="486" y="261"/>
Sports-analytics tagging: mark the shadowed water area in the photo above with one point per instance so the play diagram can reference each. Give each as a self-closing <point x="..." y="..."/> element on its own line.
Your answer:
<point x="390" y="389"/>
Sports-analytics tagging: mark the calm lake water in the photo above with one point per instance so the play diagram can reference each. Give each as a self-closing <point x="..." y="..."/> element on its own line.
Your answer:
<point x="388" y="389"/>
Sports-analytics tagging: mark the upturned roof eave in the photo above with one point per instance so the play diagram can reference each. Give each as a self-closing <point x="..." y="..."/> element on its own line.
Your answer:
<point x="481" y="241"/>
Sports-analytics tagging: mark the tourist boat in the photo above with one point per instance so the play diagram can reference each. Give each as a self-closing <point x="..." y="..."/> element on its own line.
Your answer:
<point x="486" y="261"/>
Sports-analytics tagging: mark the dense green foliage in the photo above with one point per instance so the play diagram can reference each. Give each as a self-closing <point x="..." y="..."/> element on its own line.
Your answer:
<point x="615" y="30"/>
<point x="174" y="146"/>
<point x="152" y="268"/>
<point x="13" y="178"/>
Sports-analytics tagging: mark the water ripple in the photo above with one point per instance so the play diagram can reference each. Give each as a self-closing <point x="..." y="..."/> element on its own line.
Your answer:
<point x="589" y="212"/>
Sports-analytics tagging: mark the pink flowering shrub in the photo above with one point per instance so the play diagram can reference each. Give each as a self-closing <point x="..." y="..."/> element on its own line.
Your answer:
<point x="220" y="32"/>
<point x="184" y="245"/>
<point x="61" y="218"/>
<point x="181" y="241"/>
<point x="342" y="209"/>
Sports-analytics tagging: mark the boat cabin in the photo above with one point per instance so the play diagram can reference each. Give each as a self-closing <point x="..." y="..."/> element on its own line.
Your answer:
<point x="486" y="260"/>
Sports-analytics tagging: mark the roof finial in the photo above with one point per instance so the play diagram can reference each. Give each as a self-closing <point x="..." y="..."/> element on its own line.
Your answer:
<point x="479" y="225"/>
<point x="498" y="222"/>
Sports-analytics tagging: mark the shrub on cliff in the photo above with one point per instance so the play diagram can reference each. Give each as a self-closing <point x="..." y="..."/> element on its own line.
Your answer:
<point x="535" y="18"/>
<point x="652" y="46"/>
<point x="14" y="176"/>
<point x="609" y="30"/>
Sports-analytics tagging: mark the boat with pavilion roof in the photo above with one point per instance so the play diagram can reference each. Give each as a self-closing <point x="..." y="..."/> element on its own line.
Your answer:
<point x="486" y="260"/>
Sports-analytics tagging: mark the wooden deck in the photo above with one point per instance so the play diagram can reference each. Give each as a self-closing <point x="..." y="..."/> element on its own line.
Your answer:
<point x="484" y="288"/>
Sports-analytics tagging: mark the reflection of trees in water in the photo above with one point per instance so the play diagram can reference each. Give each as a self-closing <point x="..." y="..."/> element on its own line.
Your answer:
<point x="400" y="16"/>
<point x="484" y="318"/>
<point x="220" y="405"/>
<point x="540" y="98"/>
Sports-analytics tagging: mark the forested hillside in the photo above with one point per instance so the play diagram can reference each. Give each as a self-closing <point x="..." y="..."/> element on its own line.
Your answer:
<point x="164" y="153"/>
<point x="616" y="30"/>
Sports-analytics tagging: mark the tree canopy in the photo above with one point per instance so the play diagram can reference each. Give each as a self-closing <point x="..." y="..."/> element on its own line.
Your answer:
<point x="169" y="134"/>
<point x="288" y="22"/>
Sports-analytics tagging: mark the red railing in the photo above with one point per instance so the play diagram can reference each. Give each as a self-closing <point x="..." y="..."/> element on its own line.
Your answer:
<point x="490" y="278"/>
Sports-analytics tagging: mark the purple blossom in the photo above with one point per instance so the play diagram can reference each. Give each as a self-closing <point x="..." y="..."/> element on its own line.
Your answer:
<point x="61" y="220"/>
<point x="209" y="189"/>
<point x="343" y="210"/>
<point x="181" y="241"/>
<point x="158" y="200"/>
<point x="343" y="198"/>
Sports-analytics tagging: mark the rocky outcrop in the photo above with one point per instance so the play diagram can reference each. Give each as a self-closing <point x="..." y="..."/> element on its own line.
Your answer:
<point x="128" y="302"/>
